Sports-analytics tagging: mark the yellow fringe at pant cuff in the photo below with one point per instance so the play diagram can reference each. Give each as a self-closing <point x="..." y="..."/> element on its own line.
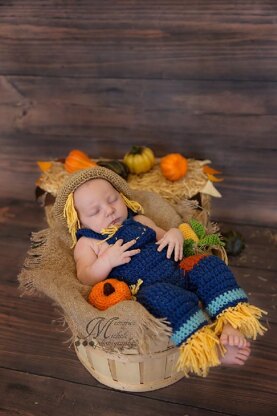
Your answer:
<point x="244" y="317"/>
<point x="199" y="353"/>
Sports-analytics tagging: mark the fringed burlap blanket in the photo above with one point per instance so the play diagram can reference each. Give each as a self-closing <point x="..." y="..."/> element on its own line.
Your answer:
<point x="50" y="269"/>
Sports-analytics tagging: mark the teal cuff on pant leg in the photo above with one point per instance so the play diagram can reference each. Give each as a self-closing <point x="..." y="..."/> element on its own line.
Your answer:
<point x="189" y="327"/>
<point x="225" y="300"/>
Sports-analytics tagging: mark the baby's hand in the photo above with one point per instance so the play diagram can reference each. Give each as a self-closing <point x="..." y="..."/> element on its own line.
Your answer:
<point x="174" y="240"/>
<point x="119" y="253"/>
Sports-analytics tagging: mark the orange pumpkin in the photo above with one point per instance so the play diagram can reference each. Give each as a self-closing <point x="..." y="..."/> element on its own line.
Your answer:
<point x="108" y="292"/>
<point x="173" y="166"/>
<point x="77" y="160"/>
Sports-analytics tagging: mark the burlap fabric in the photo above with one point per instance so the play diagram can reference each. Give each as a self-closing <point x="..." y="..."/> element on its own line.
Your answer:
<point x="50" y="269"/>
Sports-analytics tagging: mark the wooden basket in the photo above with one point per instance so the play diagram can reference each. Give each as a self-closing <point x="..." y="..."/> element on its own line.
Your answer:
<point x="131" y="371"/>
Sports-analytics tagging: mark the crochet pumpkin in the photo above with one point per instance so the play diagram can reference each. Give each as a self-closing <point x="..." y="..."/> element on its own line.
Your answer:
<point x="77" y="160"/>
<point x="173" y="166"/>
<point x="108" y="292"/>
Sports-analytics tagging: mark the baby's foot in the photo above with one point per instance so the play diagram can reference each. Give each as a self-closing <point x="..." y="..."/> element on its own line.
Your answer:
<point x="237" y="347"/>
<point x="233" y="337"/>
<point x="235" y="355"/>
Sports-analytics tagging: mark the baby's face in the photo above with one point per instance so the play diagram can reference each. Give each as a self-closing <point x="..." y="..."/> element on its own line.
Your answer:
<point x="99" y="205"/>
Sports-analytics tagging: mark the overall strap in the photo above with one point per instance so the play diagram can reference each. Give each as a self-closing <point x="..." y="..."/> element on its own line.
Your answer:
<point x="86" y="232"/>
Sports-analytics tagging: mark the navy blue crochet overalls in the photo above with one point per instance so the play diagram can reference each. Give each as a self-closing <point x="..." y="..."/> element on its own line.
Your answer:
<point x="166" y="292"/>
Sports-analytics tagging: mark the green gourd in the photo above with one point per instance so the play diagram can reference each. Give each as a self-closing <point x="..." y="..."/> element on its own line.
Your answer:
<point x="116" y="166"/>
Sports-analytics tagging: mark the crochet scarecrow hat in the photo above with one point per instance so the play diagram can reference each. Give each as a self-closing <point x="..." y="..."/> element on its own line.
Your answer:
<point x="64" y="213"/>
<point x="77" y="179"/>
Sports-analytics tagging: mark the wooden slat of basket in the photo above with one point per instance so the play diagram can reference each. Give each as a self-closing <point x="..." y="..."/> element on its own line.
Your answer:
<point x="170" y="367"/>
<point x="128" y="373"/>
<point x="112" y="367"/>
<point x="83" y="352"/>
<point x="133" y="358"/>
<point x="98" y="362"/>
<point x="153" y="370"/>
<point x="145" y="373"/>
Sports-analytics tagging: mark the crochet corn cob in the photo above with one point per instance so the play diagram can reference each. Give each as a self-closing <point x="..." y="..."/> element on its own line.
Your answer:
<point x="188" y="232"/>
<point x="196" y="240"/>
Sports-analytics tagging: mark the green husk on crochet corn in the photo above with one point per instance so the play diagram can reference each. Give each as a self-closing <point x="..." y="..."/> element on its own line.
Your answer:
<point x="188" y="248"/>
<point x="210" y="240"/>
<point x="198" y="228"/>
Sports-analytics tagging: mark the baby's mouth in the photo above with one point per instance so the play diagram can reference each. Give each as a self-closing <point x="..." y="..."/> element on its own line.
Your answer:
<point x="116" y="221"/>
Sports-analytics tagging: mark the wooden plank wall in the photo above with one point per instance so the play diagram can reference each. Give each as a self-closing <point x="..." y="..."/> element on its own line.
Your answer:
<point x="183" y="76"/>
<point x="196" y="77"/>
<point x="180" y="76"/>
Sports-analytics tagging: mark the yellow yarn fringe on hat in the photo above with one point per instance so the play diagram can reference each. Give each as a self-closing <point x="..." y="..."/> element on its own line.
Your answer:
<point x="71" y="217"/>
<point x="133" y="205"/>
<point x="244" y="317"/>
<point x="200" y="352"/>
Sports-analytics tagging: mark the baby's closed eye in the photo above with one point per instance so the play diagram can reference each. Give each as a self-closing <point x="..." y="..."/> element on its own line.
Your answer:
<point x="94" y="212"/>
<point x="112" y="199"/>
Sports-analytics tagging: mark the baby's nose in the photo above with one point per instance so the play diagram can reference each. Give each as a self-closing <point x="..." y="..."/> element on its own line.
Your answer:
<point x="109" y="210"/>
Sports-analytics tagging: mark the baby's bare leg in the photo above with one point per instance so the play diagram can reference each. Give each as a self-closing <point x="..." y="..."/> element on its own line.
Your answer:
<point x="237" y="346"/>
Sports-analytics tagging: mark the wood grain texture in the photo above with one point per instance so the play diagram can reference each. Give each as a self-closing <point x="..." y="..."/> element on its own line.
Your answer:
<point x="197" y="78"/>
<point x="180" y="76"/>
<point x="34" y="346"/>
<point x="176" y="39"/>
<point x="232" y="124"/>
<point x="39" y="395"/>
<point x="36" y="357"/>
<point x="254" y="385"/>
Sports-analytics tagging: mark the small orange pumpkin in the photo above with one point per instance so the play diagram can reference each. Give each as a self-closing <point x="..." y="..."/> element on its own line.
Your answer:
<point x="173" y="166"/>
<point x="77" y="160"/>
<point x="108" y="292"/>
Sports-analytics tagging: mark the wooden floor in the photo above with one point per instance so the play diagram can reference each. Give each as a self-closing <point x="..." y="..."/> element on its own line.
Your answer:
<point x="40" y="374"/>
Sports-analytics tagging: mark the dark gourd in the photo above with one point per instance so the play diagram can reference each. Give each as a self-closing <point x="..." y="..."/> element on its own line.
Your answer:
<point x="116" y="166"/>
